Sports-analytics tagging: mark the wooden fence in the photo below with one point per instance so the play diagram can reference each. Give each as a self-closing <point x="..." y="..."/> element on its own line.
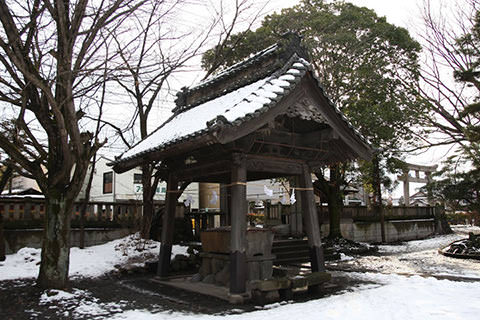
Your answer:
<point x="29" y="212"/>
<point x="276" y="214"/>
<point x="33" y="209"/>
<point x="359" y="213"/>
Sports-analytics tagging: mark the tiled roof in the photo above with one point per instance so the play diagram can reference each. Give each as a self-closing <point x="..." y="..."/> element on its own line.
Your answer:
<point x="233" y="109"/>
<point x="245" y="100"/>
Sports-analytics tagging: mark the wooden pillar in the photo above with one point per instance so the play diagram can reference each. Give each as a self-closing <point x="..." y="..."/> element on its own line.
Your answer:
<point x="406" y="190"/>
<point x="238" y="206"/>
<point x="296" y="223"/>
<point x="311" y="220"/>
<point x="225" y="194"/>
<point x="27" y="210"/>
<point x="168" y="223"/>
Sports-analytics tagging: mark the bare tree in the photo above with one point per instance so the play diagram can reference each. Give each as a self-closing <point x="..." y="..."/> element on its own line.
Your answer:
<point x="50" y="52"/>
<point x="450" y="77"/>
<point x="5" y="175"/>
<point x="151" y="58"/>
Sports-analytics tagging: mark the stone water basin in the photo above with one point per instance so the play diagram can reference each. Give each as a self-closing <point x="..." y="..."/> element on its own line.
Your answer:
<point x="217" y="240"/>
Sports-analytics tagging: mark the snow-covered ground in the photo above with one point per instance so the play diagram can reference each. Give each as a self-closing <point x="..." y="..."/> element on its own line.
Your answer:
<point x="394" y="297"/>
<point x="89" y="262"/>
<point x="419" y="257"/>
<point x="399" y="286"/>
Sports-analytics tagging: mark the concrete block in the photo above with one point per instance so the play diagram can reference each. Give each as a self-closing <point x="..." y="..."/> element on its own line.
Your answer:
<point x="210" y="279"/>
<point x="205" y="268"/>
<point x="197" y="277"/>
<point x="223" y="276"/>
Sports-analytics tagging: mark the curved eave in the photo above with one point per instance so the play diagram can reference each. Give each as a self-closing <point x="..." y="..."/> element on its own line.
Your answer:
<point x="162" y="153"/>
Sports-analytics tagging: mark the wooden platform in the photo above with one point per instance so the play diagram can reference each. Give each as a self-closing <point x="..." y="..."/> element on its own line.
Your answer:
<point x="268" y="290"/>
<point x="200" y="287"/>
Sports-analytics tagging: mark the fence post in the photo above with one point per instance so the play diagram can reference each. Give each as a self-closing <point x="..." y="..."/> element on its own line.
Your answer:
<point x="27" y="214"/>
<point x="382" y="221"/>
<point x="2" y="238"/>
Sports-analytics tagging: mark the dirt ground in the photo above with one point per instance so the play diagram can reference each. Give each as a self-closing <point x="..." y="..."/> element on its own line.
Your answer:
<point x="21" y="299"/>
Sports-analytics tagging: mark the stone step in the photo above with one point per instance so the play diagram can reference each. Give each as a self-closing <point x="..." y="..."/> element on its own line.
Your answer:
<point x="289" y="261"/>
<point x="289" y="242"/>
<point x="290" y="248"/>
<point x="302" y="259"/>
<point x="293" y="254"/>
<point x="291" y="251"/>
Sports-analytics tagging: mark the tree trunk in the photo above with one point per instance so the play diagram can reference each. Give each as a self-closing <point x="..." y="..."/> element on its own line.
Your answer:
<point x="55" y="249"/>
<point x="335" y="208"/>
<point x="148" y="209"/>
<point x="147" y="197"/>
<point x="377" y="189"/>
<point x="2" y="240"/>
<point x="5" y="178"/>
<point x="83" y="211"/>
<point x="333" y="194"/>
<point x="86" y="199"/>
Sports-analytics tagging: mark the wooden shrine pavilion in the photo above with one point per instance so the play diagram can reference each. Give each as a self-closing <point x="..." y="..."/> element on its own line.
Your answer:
<point x="262" y="118"/>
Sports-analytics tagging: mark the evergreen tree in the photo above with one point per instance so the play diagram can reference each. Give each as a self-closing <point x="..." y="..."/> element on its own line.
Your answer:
<point x="368" y="66"/>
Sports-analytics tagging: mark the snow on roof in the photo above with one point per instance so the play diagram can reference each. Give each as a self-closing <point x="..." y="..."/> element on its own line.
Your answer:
<point x="235" y="107"/>
<point x="231" y="108"/>
<point x="18" y="196"/>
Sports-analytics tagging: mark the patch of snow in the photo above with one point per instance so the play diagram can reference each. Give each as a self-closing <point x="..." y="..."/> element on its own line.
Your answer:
<point x="418" y="257"/>
<point x="23" y="264"/>
<point x="465" y="229"/>
<point x="344" y="257"/>
<point x="417" y="245"/>
<point x="294" y="71"/>
<point x="287" y="77"/>
<point x="36" y="196"/>
<point x="78" y="304"/>
<point x="55" y="296"/>
<point x="92" y="309"/>
<point x="92" y="261"/>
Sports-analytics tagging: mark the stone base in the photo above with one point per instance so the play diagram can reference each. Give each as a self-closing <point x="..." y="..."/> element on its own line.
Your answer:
<point x="238" y="298"/>
<point x="261" y="291"/>
<point x="271" y="290"/>
<point x="218" y="265"/>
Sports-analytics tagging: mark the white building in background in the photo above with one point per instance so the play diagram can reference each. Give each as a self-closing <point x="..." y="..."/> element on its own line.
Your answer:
<point x="22" y="183"/>
<point x="21" y="186"/>
<point x="109" y="186"/>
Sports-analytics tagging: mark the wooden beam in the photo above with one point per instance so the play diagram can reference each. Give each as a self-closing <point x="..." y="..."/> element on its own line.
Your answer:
<point x="310" y="139"/>
<point x="256" y="163"/>
<point x="291" y="146"/>
<point x="310" y="217"/>
<point x="225" y="194"/>
<point x="238" y="207"/>
<point x="202" y="169"/>
<point x="168" y="223"/>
